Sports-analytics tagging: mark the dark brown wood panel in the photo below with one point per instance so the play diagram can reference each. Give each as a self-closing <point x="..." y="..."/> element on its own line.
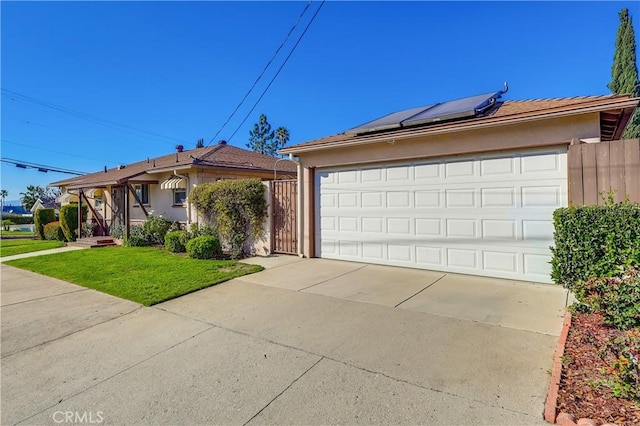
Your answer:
<point x="284" y="216"/>
<point x="598" y="168"/>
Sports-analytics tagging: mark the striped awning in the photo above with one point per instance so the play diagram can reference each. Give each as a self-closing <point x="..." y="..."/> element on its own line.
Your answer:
<point x="173" y="183"/>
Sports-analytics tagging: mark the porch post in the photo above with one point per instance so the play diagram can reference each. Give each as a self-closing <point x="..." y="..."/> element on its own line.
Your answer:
<point x="126" y="212"/>
<point x="80" y="195"/>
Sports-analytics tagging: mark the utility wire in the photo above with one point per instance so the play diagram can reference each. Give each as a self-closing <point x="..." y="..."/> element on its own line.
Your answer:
<point x="58" y="152"/>
<point x="40" y="167"/>
<point x="111" y="124"/>
<point x="263" y="71"/>
<point x="279" y="69"/>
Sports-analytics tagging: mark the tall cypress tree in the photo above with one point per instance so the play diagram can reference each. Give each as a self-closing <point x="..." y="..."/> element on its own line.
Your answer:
<point x="624" y="72"/>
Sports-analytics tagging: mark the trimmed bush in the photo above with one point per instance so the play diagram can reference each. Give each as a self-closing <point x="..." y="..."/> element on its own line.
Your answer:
<point x="237" y="208"/>
<point x="176" y="241"/>
<point x="41" y="217"/>
<point x="18" y="219"/>
<point x="617" y="298"/>
<point x="156" y="227"/>
<point x="69" y="220"/>
<point x="594" y="241"/>
<point x="137" y="237"/>
<point x="53" y="231"/>
<point x="204" y="247"/>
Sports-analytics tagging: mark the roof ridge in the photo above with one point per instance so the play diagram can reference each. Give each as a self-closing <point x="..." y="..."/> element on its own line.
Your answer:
<point x="594" y="97"/>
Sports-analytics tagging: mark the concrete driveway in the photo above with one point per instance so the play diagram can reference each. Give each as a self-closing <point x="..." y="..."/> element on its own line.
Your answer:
<point x="304" y="342"/>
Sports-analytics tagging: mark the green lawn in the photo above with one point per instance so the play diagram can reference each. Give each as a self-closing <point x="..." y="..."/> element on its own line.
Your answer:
<point x="146" y="275"/>
<point x="19" y="246"/>
<point x="4" y="233"/>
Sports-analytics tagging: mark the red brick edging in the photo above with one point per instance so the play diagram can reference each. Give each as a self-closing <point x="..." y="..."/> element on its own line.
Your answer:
<point x="554" y="385"/>
<point x="562" y="419"/>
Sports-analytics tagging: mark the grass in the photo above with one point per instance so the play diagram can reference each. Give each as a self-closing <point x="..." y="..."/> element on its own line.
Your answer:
<point x="11" y="247"/>
<point x="145" y="275"/>
<point x="4" y="233"/>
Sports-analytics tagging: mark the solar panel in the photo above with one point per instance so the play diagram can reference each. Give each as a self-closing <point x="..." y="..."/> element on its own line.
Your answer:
<point x="389" y="121"/>
<point x="469" y="107"/>
<point x="460" y="108"/>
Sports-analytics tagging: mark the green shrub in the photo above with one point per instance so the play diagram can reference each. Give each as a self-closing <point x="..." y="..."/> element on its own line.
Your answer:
<point x="617" y="298"/>
<point x="204" y="247"/>
<point x="18" y="219"/>
<point x="53" y="231"/>
<point x="594" y="241"/>
<point x="7" y="223"/>
<point x="41" y="217"/>
<point x="117" y="231"/>
<point x="237" y="208"/>
<point x="156" y="227"/>
<point x="69" y="220"/>
<point x="137" y="237"/>
<point x="176" y="241"/>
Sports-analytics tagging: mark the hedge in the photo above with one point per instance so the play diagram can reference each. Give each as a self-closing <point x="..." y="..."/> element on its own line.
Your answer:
<point x="53" y="231"/>
<point x="41" y="217"/>
<point x="18" y="219"/>
<point x="69" y="220"/>
<point x="595" y="241"/>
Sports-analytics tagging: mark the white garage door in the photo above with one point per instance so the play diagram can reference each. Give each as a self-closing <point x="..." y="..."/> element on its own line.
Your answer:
<point x="486" y="215"/>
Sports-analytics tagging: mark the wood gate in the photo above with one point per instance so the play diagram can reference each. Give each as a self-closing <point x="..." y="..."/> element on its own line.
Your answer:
<point x="284" y="216"/>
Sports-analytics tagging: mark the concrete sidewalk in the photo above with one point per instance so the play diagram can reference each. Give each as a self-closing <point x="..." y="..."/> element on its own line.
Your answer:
<point x="40" y="253"/>
<point x="248" y="352"/>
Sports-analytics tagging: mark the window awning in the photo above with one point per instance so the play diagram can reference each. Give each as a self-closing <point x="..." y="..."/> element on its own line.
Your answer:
<point x="173" y="183"/>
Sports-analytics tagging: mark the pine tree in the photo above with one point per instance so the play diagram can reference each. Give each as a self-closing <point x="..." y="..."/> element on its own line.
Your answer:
<point x="200" y="143"/>
<point x="261" y="137"/>
<point x="624" y="72"/>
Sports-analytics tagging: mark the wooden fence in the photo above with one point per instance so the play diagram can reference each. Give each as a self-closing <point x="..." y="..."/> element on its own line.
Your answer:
<point x="595" y="169"/>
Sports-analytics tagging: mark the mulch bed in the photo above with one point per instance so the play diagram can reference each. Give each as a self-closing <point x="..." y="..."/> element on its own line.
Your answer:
<point x="585" y="361"/>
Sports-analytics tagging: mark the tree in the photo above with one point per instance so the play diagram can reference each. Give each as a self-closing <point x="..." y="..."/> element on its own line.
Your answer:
<point x="200" y="143"/>
<point x="624" y="71"/>
<point x="261" y="137"/>
<point x="282" y="137"/>
<point x="29" y="198"/>
<point x="3" y="194"/>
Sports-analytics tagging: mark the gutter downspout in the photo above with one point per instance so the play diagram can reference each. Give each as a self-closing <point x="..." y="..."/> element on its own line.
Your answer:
<point x="186" y="177"/>
<point x="300" y="218"/>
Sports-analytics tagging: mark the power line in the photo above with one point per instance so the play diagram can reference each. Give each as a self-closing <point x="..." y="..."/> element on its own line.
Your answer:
<point x="279" y="69"/>
<point x="110" y="124"/>
<point x="263" y="71"/>
<point x="40" y="167"/>
<point x="58" y="152"/>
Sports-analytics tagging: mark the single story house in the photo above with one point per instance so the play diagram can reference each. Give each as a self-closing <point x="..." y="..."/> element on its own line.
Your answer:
<point x="49" y="204"/>
<point x="465" y="186"/>
<point x="127" y="194"/>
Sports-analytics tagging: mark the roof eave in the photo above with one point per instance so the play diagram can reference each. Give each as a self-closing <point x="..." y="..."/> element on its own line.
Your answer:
<point x="466" y="126"/>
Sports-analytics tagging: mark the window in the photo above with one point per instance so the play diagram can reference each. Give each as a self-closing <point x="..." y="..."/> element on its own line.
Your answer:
<point x="142" y="190"/>
<point x="97" y="201"/>
<point x="179" y="196"/>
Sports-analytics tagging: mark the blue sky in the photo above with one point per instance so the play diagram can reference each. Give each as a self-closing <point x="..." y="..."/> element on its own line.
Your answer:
<point x="176" y="70"/>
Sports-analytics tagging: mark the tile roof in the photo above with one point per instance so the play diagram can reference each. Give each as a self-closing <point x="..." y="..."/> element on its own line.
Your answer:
<point x="219" y="156"/>
<point x="505" y="111"/>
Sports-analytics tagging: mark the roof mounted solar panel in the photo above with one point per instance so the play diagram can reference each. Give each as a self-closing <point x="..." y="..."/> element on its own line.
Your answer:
<point x="390" y="121"/>
<point x="451" y="110"/>
<point x="472" y="106"/>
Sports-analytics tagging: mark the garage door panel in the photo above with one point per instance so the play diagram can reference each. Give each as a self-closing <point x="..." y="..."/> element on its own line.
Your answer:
<point x="488" y="215"/>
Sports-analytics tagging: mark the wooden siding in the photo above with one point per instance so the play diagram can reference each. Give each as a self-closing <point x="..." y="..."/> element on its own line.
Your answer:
<point x="284" y="216"/>
<point x="597" y="168"/>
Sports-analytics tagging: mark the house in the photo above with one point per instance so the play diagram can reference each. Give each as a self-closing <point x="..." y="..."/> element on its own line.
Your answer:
<point x="11" y="209"/>
<point x="128" y="194"/>
<point x="465" y="186"/>
<point x="49" y="204"/>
